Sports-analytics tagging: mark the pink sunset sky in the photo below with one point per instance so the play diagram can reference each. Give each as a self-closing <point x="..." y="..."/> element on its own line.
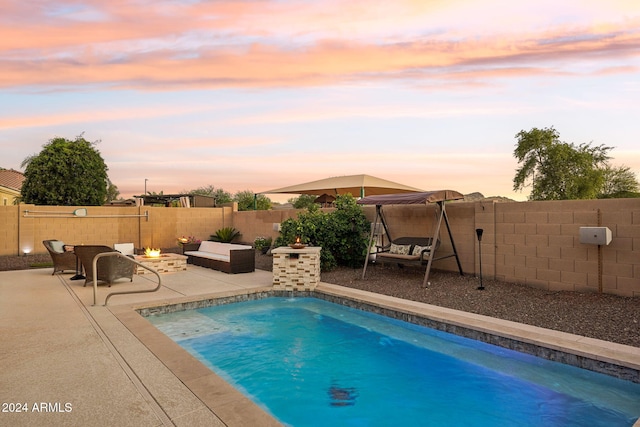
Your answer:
<point x="256" y="95"/>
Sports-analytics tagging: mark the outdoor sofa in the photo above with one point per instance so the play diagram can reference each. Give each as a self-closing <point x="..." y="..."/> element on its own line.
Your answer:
<point x="226" y="257"/>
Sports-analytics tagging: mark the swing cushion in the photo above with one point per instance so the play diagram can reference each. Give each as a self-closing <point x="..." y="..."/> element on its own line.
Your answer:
<point x="398" y="257"/>
<point x="400" y="249"/>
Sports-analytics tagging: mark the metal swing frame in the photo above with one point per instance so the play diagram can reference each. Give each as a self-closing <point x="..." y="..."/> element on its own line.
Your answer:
<point x="437" y="197"/>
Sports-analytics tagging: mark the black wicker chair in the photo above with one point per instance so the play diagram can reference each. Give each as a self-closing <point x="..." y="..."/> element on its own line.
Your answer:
<point x="62" y="260"/>
<point x="109" y="268"/>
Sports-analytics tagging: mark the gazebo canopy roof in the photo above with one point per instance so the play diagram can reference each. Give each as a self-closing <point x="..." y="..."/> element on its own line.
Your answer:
<point x="356" y="185"/>
<point x="412" y="198"/>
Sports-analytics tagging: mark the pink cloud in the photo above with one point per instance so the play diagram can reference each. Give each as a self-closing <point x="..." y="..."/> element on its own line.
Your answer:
<point x="254" y="44"/>
<point x="17" y="120"/>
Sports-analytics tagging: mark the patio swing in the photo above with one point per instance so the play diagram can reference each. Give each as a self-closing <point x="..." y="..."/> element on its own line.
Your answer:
<point x="410" y="250"/>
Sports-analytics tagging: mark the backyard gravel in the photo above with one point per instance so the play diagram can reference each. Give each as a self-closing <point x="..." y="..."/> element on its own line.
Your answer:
<point x="602" y="316"/>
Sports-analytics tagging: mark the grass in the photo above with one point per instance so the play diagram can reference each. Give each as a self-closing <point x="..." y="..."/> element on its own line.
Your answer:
<point x="41" y="265"/>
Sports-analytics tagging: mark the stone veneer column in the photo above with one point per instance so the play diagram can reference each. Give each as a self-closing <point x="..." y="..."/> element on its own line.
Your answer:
<point x="296" y="269"/>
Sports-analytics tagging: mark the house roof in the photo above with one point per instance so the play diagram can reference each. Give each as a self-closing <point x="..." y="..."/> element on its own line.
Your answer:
<point x="11" y="179"/>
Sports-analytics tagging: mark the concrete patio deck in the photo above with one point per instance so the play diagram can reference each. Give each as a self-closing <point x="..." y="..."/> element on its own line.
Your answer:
<point x="67" y="362"/>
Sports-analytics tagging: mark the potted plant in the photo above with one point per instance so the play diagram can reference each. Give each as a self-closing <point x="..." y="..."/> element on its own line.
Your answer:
<point x="188" y="243"/>
<point x="225" y="235"/>
<point x="262" y="244"/>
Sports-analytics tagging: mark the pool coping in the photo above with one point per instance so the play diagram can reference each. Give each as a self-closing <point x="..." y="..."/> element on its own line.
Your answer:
<point x="233" y="408"/>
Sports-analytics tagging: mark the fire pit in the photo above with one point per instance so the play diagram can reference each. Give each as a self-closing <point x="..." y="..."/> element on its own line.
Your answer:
<point x="152" y="253"/>
<point x="163" y="263"/>
<point x="298" y="244"/>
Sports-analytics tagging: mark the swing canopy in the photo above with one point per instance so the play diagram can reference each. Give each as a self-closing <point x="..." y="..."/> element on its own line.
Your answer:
<point x="412" y="198"/>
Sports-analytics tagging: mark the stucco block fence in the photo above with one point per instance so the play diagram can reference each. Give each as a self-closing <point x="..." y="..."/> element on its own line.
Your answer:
<point x="533" y="243"/>
<point x="24" y="227"/>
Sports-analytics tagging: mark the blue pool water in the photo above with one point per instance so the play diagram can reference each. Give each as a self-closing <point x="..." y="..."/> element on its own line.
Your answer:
<point x="310" y="362"/>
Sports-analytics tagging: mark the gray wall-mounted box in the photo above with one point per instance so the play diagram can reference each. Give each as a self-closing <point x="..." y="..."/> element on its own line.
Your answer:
<point x="595" y="235"/>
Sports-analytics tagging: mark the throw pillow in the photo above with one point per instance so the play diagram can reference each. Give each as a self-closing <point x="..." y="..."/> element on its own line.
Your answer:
<point x="418" y="249"/>
<point x="399" y="249"/>
<point x="57" y="246"/>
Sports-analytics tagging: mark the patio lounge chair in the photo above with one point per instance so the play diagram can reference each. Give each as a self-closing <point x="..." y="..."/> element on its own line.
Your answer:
<point x="110" y="268"/>
<point x="62" y="260"/>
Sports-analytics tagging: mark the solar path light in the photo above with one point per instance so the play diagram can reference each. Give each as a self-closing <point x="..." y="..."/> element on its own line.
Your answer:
<point x="479" y="234"/>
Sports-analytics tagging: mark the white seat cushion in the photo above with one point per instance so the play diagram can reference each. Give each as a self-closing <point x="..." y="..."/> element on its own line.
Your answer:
<point x="124" y="248"/>
<point x="220" y="248"/>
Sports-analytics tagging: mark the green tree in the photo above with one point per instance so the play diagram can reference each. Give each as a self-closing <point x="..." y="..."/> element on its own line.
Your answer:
<point x="66" y="173"/>
<point x="202" y="191"/>
<point x="619" y="182"/>
<point x="218" y="194"/>
<point x="247" y="198"/>
<point x="304" y="201"/>
<point x="222" y="196"/>
<point x="112" y="191"/>
<point x="558" y="170"/>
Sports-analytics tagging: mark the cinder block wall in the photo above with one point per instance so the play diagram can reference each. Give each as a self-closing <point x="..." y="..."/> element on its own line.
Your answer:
<point x="421" y="220"/>
<point x="103" y="226"/>
<point x="9" y="232"/>
<point x="254" y="224"/>
<point x="106" y="226"/>
<point x="538" y="243"/>
<point x="534" y="243"/>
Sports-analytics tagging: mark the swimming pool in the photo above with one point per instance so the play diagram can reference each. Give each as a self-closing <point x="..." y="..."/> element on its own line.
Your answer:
<point x="311" y="362"/>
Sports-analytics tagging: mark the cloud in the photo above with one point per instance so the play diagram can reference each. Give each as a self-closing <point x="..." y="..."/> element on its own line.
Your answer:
<point x="97" y="114"/>
<point x="187" y="93"/>
<point x="284" y="44"/>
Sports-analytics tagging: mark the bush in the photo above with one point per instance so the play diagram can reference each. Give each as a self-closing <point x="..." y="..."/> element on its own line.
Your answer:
<point x="342" y="233"/>
<point x="262" y="244"/>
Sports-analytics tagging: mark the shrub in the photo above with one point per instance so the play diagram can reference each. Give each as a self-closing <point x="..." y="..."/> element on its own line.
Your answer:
<point x="225" y="235"/>
<point x="342" y="233"/>
<point x="262" y="243"/>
